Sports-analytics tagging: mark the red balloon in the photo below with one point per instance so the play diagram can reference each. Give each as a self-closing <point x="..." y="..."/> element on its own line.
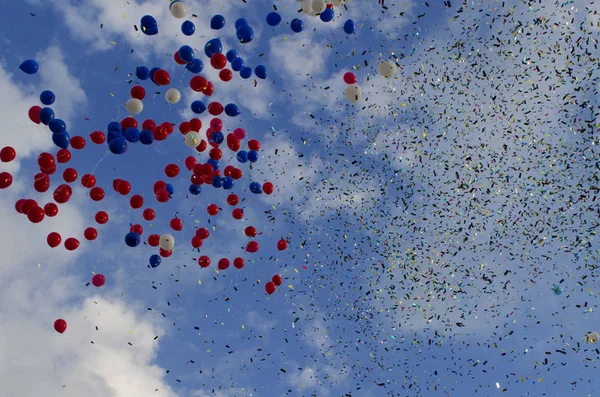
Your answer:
<point x="160" y="133"/>
<point x="233" y="200"/>
<point x="237" y="213"/>
<point x="53" y="240"/>
<point x="223" y="263"/>
<point x="116" y="184"/>
<point x="196" y="242"/>
<point x="149" y="125"/>
<point x="158" y="185"/>
<point x="19" y="204"/>
<point x="34" y="114"/>
<point x="49" y="171"/>
<point x="268" y="188"/>
<point x="212" y="209"/>
<point x="63" y="156"/>
<point x="178" y="59"/>
<point x="27" y="205"/>
<point x="7" y="154"/>
<point x="250" y="231"/>
<point x="124" y="187"/>
<point x="198" y="83"/>
<point x="129" y="122"/>
<point x="202" y="146"/>
<point x="196" y="179"/>
<point x="88" y="181"/>
<point x="202" y="233"/>
<point x="98" y="137"/>
<point x="277" y="280"/>
<point x="71" y="244"/>
<point x="97" y="193"/>
<point x="233" y="143"/>
<point x="239" y="133"/>
<point x="35" y="215"/>
<point x="162" y="77"/>
<point x="195" y="124"/>
<point x="252" y="247"/>
<point x="136" y="201"/>
<point x="51" y="210"/>
<point x="90" y="233"/>
<point x="62" y="194"/>
<point x="98" y="280"/>
<point x="208" y="89"/>
<point x="77" y="143"/>
<point x="60" y="326"/>
<point x="270" y="287"/>
<point x="215" y="108"/>
<point x="101" y="217"/>
<point x="218" y="61"/>
<point x="238" y="263"/>
<point x="70" y="175"/>
<point x="148" y="214"/>
<point x="282" y="245"/>
<point x="190" y="162"/>
<point x="137" y="229"/>
<point x="176" y="224"/>
<point x="46" y="160"/>
<point x="164" y="253"/>
<point x="225" y="75"/>
<point x="41" y="182"/>
<point x="253" y="144"/>
<point x="236" y="173"/>
<point x="184" y="127"/>
<point x="204" y="261"/>
<point x="215" y="153"/>
<point x="154" y="240"/>
<point x="6" y="180"/>
<point x="162" y="196"/>
<point x="172" y="170"/>
<point x="138" y="92"/>
<point x="216" y="124"/>
<point x="168" y="126"/>
<point x="349" y="78"/>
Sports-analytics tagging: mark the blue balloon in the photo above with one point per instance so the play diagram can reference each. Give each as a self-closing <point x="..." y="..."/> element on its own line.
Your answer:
<point x="217" y="181"/>
<point x="188" y="28"/>
<point x="132" y="239"/>
<point x="142" y="72"/>
<point x="186" y="53"/>
<point x="273" y="19"/>
<point x="146" y="137"/>
<point x="232" y="110"/>
<point x="242" y="156"/>
<point x="232" y="54"/>
<point x="117" y="146"/>
<point x="151" y="75"/>
<point x="245" y="34"/>
<point x="255" y="188"/>
<point x="195" y="190"/>
<point x="246" y="72"/>
<point x="228" y="183"/>
<point x="170" y="189"/>
<point x="149" y="25"/>
<point x="297" y="25"/>
<point x="261" y="71"/>
<point x="217" y="22"/>
<point x="217" y="137"/>
<point x="195" y="66"/>
<point x="132" y="134"/>
<point x="198" y="107"/>
<point x="47" y="97"/>
<point x="253" y="156"/>
<point x="112" y="135"/>
<point x="214" y="163"/>
<point x="57" y="126"/>
<point x="46" y="116"/>
<point x="349" y="26"/>
<point x="61" y="139"/>
<point x="155" y="259"/>
<point x="240" y="22"/>
<point x="237" y="64"/>
<point x="114" y="126"/>
<point x="29" y="66"/>
<point x="213" y="47"/>
<point x="327" y="15"/>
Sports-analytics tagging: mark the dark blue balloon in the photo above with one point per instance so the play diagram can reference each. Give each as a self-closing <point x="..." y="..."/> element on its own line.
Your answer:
<point x="245" y="34"/>
<point x="217" y="22"/>
<point x="198" y="107"/>
<point x="47" y="97"/>
<point x="255" y="188"/>
<point x="217" y="137"/>
<point x="114" y="126"/>
<point x="132" y="239"/>
<point x="240" y="22"/>
<point x="273" y="19"/>
<point x="253" y="156"/>
<point x="214" y="163"/>
<point x="242" y="156"/>
<point x="349" y="26"/>
<point x="155" y="260"/>
<point x="195" y="190"/>
<point x="149" y="25"/>
<point x="232" y="110"/>
<point x="46" y="116"/>
<point x="213" y="47"/>
<point x="151" y="74"/>
<point x="146" y="137"/>
<point x="57" y="126"/>
<point x="228" y="183"/>
<point x="231" y="55"/>
<point x="61" y="139"/>
<point x="217" y="181"/>
<point x="186" y="53"/>
<point x="132" y="134"/>
<point x="327" y="15"/>
<point x="188" y="28"/>
<point x="117" y="146"/>
<point x="297" y="25"/>
<point x="29" y="66"/>
<point x="237" y="64"/>
<point x="112" y="135"/>
<point x="142" y="72"/>
<point x="246" y="72"/>
<point x="170" y="189"/>
<point x="260" y="71"/>
<point x="195" y="66"/>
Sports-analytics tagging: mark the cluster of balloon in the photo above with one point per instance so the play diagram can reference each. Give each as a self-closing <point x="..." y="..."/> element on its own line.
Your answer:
<point x="387" y="70"/>
<point x="321" y="9"/>
<point x="271" y="286"/>
<point x="7" y="154"/>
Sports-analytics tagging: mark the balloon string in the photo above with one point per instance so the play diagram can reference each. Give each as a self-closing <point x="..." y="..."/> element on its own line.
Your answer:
<point x="98" y="163"/>
<point x="23" y="239"/>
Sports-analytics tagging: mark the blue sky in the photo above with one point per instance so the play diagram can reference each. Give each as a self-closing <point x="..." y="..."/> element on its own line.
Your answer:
<point x="428" y="223"/>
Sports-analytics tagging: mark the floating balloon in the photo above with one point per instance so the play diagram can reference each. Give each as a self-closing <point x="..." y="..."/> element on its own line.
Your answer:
<point x="270" y="287"/>
<point x="118" y="146"/>
<point x="134" y="106"/>
<point x="217" y="22"/>
<point x="277" y="280"/>
<point x="282" y="245"/>
<point x="237" y="64"/>
<point x="173" y="96"/>
<point x="223" y="264"/>
<point x="178" y="9"/>
<point x="46" y="115"/>
<point x="132" y="239"/>
<point x="149" y="25"/>
<point x="54" y="239"/>
<point x="29" y="66"/>
<point x="196" y="66"/>
<point x="240" y="22"/>
<point x="98" y="280"/>
<point x="268" y="188"/>
<point x="245" y="34"/>
<point x="60" y="326"/>
<point x="232" y="54"/>
<point x="155" y="260"/>
<point x="273" y="19"/>
<point x="71" y="244"/>
<point x="188" y="28"/>
<point x="592" y="337"/>
<point x="142" y="73"/>
<point x="167" y="242"/>
<point x="327" y="15"/>
<point x="7" y="154"/>
<point x="61" y="139"/>
<point x="261" y="72"/>
<point x="349" y="26"/>
<point x="349" y="78"/>
<point x="218" y="61"/>
<point x="47" y="97"/>
<point x="213" y="47"/>
<point x="90" y="234"/>
<point x="232" y="110"/>
<point x="297" y="25"/>
<point x="34" y="114"/>
<point x="387" y="69"/>
<point x="186" y="53"/>
<point x="353" y="93"/>
<point x="204" y="261"/>
<point x="192" y="139"/>
<point x="246" y="72"/>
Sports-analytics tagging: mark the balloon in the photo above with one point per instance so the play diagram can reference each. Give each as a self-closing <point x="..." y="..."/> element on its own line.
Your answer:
<point x="282" y="245"/>
<point x="97" y="193"/>
<point x="217" y="137"/>
<point x="215" y="108"/>
<point x="217" y="182"/>
<point x="155" y="260"/>
<point x="114" y="126"/>
<point x="223" y="263"/>
<point x="213" y="47"/>
<point x="192" y="139"/>
<point x="161" y="77"/>
<point x="154" y="240"/>
<point x="138" y="92"/>
<point x="101" y="217"/>
<point x="217" y="22"/>
<point x="142" y="72"/>
<point x="228" y="183"/>
<point x="387" y="69"/>
<point x="253" y="156"/>
<point x="123" y="187"/>
<point x="98" y="280"/>
<point x="245" y="34"/>
<point x="63" y="155"/>
<point x="51" y="210"/>
<point x="273" y="19"/>
<point x="232" y="110"/>
<point x="188" y="28"/>
<point x="132" y="135"/>
<point x="195" y="190"/>
<point x="268" y="188"/>
<point x="132" y="239"/>
<point x="238" y="263"/>
<point x="218" y="61"/>
<point x="592" y="337"/>
<point x="250" y="231"/>
<point x="136" y="201"/>
<point x="252" y="247"/>
<point x="318" y="6"/>
<point x="46" y="115"/>
<point x="277" y="280"/>
<point x="204" y="261"/>
<point x="195" y="66"/>
<point x="349" y="26"/>
<point x="240" y="22"/>
<point x="162" y="195"/>
<point x="70" y="175"/>
<point x="255" y="188"/>
<point x="212" y="209"/>
<point x="60" y="326"/>
<point x="202" y="233"/>
<point x="327" y="15"/>
<point x="71" y="244"/>
<point x="261" y="72"/>
<point x="118" y="146"/>
<point x="29" y="66"/>
<point x="237" y="64"/>
<point x="149" y="25"/>
<point x="90" y="234"/>
<point x="61" y="139"/>
<point x="134" y="106"/>
<point x="7" y="154"/>
<point x="53" y="239"/>
<point x="35" y="214"/>
<point x="237" y="213"/>
<point x="34" y="114"/>
<point x="197" y="83"/>
<point x="186" y="53"/>
<point x="57" y="126"/>
<point x="225" y="75"/>
<point x="353" y="93"/>
<point x="239" y="133"/>
<point x="242" y="156"/>
<point x="77" y="143"/>
<point x="246" y="72"/>
<point x="198" y="107"/>
<point x="215" y="153"/>
<point x="47" y="97"/>
<point x="146" y="137"/>
<point x="270" y="287"/>
<point x="253" y="144"/>
<point x="41" y="182"/>
<point x="173" y="96"/>
<point x="232" y="54"/>
<point x="167" y="242"/>
<point x="297" y="25"/>
<point x="349" y="78"/>
<point x="178" y="9"/>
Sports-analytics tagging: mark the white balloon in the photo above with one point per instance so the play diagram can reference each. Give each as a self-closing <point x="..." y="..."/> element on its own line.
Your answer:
<point x="353" y="93"/>
<point x="173" y="95"/>
<point x="387" y="69"/>
<point x="306" y="6"/>
<point x="592" y="337"/>
<point x="318" y="6"/>
<point x="134" y="106"/>
<point x="167" y="242"/>
<point x="192" y="139"/>
<point x="178" y="9"/>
